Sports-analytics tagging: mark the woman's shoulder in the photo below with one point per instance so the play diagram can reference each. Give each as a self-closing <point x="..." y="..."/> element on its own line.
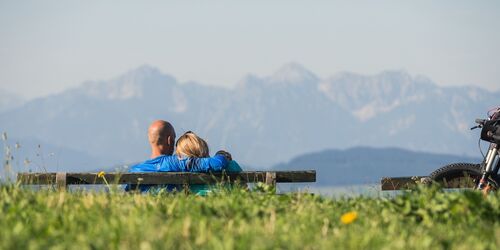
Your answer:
<point x="233" y="166"/>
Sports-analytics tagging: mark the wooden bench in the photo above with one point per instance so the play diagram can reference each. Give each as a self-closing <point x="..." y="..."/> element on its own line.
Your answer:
<point x="63" y="179"/>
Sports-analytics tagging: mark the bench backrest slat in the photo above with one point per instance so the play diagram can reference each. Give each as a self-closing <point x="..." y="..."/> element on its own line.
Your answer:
<point x="167" y="177"/>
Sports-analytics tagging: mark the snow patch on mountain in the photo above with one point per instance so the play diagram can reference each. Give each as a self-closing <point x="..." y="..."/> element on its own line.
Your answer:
<point x="402" y="124"/>
<point x="180" y="101"/>
<point x="371" y="110"/>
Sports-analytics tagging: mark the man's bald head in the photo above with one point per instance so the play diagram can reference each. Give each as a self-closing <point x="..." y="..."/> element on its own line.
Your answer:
<point x="161" y="135"/>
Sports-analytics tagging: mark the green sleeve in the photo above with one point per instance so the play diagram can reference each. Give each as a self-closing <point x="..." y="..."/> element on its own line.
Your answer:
<point x="233" y="167"/>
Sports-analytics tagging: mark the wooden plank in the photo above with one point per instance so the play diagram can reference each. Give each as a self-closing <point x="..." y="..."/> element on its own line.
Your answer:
<point x="401" y="183"/>
<point x="36" y="178"/>
<point x="166" y="177"/>
<point x="296" y="176"/>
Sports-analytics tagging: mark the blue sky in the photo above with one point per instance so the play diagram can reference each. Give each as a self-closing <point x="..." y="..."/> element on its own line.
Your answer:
<point x="48" y="46"/>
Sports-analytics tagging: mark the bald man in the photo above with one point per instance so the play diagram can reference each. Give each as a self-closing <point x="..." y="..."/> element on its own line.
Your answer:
<point x="161" y="136"/>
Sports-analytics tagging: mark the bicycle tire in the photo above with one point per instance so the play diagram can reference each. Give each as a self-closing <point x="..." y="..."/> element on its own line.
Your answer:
<point x="458" y="175"/>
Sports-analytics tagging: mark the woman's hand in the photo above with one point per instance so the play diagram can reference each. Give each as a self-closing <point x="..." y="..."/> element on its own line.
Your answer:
<point x="225" y="154"/>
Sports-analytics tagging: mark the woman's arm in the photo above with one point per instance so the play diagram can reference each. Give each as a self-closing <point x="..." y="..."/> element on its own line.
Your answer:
<point x="216" y="164"/>
<point x="171" y="163"/>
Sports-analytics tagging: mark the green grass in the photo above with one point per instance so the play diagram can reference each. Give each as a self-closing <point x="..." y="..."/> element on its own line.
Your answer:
<point x="422" y="219"/>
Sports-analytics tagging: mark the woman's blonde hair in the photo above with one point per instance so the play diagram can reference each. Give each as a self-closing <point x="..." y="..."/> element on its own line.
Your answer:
<point x="191" y="145"/>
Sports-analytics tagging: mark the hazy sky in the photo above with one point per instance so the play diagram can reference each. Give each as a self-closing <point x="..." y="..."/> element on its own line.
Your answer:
<point x="47" y="46"/>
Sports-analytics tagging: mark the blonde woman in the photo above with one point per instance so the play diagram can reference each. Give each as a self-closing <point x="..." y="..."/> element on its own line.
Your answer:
<point x="191" y="146"/>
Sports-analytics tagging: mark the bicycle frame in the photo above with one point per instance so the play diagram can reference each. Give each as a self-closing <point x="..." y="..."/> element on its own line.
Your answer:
<point x="489" y="132"/>
<point x="490" y="166"/>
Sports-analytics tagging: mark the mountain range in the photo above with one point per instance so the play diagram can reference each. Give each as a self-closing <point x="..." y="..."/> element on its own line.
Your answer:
<point x="262" y="120"/>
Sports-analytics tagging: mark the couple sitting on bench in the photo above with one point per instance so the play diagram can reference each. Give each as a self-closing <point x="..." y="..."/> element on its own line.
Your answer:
<point x="191" y="155"/>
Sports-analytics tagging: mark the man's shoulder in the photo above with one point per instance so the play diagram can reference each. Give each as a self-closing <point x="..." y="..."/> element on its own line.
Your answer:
<point x="160" y="158"/>
<point x="153" y="164"/>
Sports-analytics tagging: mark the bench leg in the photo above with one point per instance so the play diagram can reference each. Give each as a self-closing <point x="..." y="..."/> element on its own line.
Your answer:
<point x="61" y="181"/>
<point x="271" y="179"/>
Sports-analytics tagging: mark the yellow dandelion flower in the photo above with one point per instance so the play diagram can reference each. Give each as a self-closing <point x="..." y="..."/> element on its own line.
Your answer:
<point x="349" y="217"/>
<point x="103" y="176"/>
<point x="100" y="174"/>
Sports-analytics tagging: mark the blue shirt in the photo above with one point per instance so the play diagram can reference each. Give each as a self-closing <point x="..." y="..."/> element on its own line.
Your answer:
<point x="171" y="163"/>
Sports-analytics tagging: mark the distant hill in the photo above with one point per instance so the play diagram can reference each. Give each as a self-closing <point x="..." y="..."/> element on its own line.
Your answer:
<point x="365" y="165"/>
<point x="262" y="120"/>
